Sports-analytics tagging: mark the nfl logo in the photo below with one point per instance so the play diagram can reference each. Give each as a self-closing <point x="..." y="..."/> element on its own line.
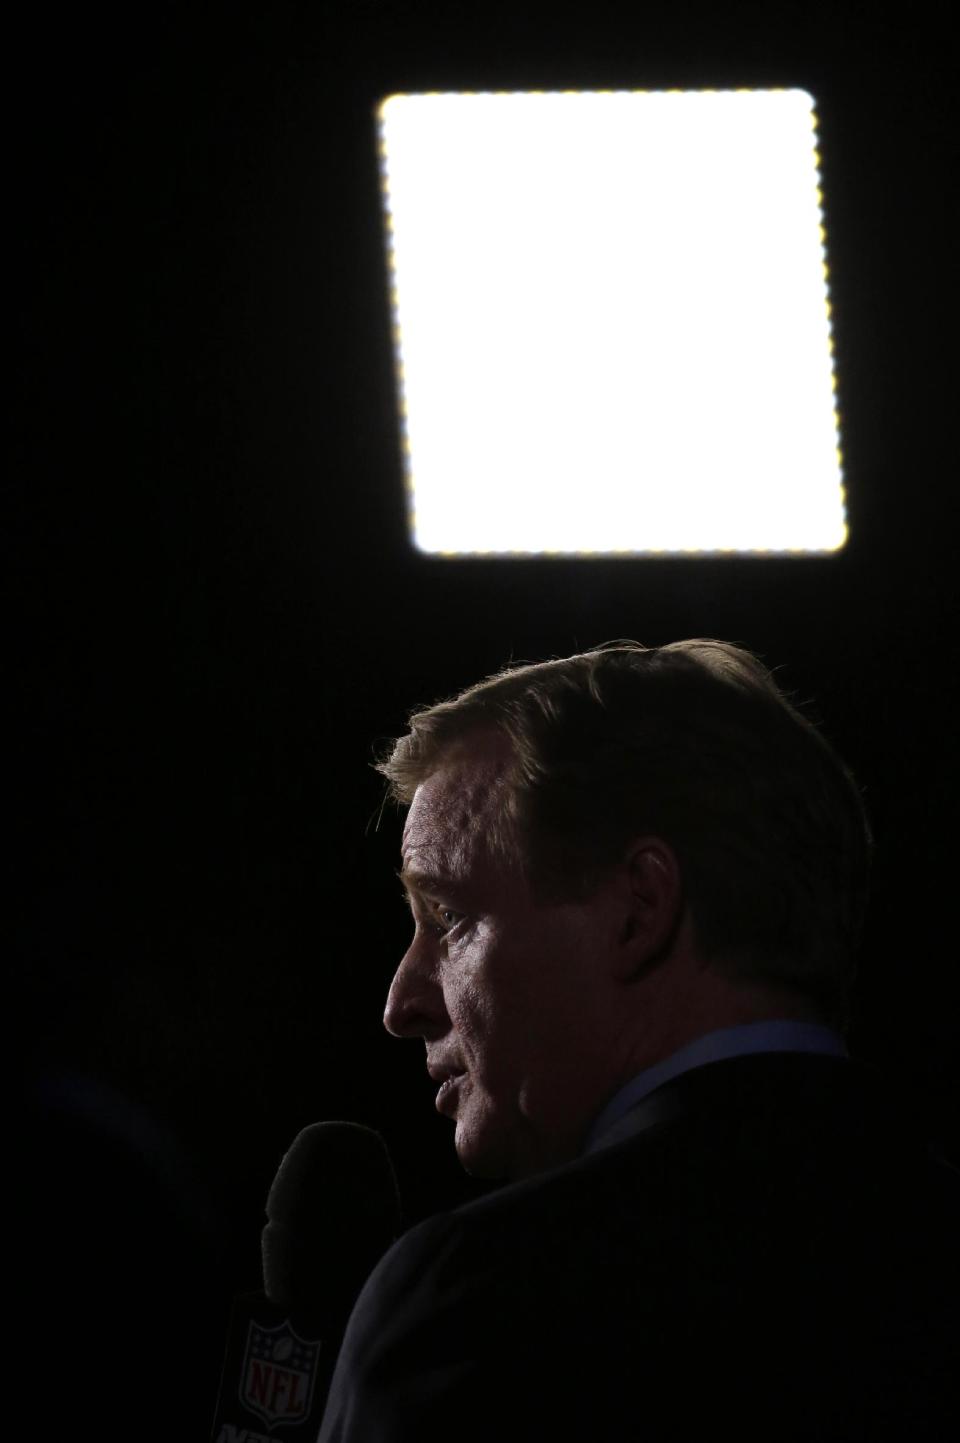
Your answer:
<point x="278" y="1374"/>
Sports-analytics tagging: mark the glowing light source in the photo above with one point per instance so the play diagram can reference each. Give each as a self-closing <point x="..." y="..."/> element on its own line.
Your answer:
<point x="612" y="322"/>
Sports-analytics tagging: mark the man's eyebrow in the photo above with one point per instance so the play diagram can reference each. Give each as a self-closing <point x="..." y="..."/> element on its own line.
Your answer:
<point x="412" y="880"/>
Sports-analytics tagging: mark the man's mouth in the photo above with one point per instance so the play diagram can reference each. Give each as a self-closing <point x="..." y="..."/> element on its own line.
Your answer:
<point x="446" y="1096"/>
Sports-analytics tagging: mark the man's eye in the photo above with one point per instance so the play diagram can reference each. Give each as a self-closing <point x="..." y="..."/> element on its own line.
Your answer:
<point x="432" y="916"/>
<point x="438" y="919"/>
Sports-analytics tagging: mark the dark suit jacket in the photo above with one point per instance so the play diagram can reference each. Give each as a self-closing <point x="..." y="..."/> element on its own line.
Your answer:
<point x="774" y="1254"/>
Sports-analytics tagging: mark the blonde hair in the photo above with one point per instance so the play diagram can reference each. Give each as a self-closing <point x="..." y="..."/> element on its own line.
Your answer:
<point x="693" y="742"/>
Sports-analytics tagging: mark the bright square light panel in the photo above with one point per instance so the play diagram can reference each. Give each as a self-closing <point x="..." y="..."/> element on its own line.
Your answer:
<point x="612" y="322"/>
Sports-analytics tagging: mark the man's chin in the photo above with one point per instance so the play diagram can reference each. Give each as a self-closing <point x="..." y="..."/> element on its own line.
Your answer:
<point x="493" y="1158"/>
<point x="480" y="1157"/>
<point x="480" y="1165"/>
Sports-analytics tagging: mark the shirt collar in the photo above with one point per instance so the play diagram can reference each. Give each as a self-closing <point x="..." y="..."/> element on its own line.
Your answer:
<point x="775" y="1035"/>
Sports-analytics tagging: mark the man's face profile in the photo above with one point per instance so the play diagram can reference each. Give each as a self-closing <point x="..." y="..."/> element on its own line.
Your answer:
<point x="506" y="991"/>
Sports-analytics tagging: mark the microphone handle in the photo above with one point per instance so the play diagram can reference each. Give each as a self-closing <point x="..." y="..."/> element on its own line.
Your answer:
<point x="276" y="1375"/>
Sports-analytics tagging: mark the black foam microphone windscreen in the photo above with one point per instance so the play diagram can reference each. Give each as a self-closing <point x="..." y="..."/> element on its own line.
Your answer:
<point x="332" y="1212"/>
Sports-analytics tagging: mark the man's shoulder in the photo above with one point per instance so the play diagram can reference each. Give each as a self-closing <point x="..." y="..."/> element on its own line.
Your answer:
<point x="727" y="1229"/>
<point x="507" y="1243"/>
<point x="781" y="1132"/>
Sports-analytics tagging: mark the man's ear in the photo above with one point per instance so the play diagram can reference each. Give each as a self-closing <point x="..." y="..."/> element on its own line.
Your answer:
<point x="653" y="903"/>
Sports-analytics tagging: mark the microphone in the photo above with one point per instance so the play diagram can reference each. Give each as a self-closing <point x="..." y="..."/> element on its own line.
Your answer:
<point x="332" y="1212"/>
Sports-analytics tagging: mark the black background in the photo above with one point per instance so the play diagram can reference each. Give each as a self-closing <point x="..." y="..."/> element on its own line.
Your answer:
<point x="217" y="616"/>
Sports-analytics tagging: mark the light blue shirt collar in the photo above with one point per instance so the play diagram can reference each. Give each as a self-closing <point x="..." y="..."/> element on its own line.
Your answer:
<point x="778" y="1035"/>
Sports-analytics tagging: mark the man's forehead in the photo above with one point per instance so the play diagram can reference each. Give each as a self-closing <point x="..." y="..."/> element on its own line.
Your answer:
<point x="450" y="814"/>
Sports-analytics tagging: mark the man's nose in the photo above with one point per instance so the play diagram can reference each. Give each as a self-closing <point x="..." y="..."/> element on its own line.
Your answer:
<point x="415" y="1001"/>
